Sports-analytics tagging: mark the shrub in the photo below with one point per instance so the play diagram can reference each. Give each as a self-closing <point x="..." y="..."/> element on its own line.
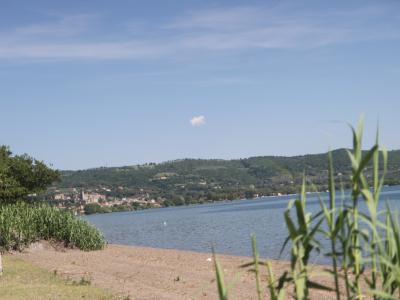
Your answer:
<point x="22" y="224"/>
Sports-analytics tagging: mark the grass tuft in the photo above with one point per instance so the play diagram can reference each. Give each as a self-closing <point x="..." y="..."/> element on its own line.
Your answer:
<point x="22" y="224"/>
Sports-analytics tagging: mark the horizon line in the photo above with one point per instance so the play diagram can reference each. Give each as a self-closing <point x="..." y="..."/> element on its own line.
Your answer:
<point x="216" y="159"/>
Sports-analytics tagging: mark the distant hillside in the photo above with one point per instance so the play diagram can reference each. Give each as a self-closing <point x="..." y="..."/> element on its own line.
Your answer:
<point x="199" y="180"/>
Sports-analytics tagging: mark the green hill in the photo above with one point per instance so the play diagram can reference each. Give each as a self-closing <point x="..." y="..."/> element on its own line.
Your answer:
<point x="199" y="180"/>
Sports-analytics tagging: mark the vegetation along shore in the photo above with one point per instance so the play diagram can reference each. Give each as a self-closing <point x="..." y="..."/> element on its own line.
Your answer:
<point x="191" y="181"/>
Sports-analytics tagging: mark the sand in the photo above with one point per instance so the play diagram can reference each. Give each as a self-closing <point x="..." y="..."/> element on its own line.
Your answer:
<point x="150" y="273"/>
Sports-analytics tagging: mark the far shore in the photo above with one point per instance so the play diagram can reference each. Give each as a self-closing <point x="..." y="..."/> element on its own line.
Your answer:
<point x="194" y="204"/>
<point x="152" y="273"/>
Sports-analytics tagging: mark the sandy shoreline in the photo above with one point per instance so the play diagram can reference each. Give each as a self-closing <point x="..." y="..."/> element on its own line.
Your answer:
<point x="150" y="273"/>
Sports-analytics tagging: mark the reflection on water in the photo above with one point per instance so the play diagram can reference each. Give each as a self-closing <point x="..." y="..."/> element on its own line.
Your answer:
<point x="227" y="226"/>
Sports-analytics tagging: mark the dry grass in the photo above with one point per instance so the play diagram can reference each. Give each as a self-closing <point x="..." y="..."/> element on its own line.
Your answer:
<point x="21" y="280"/>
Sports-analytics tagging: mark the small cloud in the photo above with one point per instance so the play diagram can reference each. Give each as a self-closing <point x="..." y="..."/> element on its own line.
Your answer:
<point x="198" y="121"/>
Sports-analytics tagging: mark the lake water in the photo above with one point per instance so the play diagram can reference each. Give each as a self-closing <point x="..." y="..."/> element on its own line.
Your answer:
<point x="227" y="225"/>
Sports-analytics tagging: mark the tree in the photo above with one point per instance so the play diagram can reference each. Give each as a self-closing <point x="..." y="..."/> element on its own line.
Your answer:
<point x="22" y="175"/>
<point x="93" y="208"/>
<point x="249" y="194"/>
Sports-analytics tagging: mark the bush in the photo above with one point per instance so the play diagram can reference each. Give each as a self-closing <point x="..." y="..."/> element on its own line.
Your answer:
<point x="94" y="208"/>
<point x="22" y="224"/>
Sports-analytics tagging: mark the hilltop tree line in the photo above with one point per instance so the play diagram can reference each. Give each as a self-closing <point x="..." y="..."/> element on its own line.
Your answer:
<point x="190" y="181"/>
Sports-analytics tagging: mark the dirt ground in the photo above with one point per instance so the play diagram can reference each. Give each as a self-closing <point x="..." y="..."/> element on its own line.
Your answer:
<point x="149" y="273"/>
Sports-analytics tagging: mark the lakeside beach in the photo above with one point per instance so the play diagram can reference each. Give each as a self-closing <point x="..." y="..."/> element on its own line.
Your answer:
<point x="190" y="150"/>
<point x="225" y="226"/>
<point x="152" y="273"/>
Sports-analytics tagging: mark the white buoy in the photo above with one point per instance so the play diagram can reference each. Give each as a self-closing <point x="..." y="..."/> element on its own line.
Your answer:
<point x="165" y="223"/>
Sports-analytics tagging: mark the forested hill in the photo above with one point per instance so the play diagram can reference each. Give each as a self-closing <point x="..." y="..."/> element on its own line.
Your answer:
<point x="199" y="180"/>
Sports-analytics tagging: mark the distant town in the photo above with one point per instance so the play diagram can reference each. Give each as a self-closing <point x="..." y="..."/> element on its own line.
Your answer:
<point x="98" y="200"/>
<point x="194" y="181"/>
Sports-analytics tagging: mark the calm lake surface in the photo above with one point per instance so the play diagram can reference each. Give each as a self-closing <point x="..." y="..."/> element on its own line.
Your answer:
<point x="227" y="225"/>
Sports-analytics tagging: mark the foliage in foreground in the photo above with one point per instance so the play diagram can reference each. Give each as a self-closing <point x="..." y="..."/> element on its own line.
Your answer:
<point x="363" y="245"/>
<point x="22" y="224"/>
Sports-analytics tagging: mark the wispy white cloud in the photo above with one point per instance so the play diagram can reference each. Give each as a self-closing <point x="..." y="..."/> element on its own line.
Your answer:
<point x="79" y="50"/>
<point x="198" y="121"/>
<point x="277" y="28"/>
<point x="64" y="26"/>
<point x="221" y="19"/>
<point x="216" y="30"/>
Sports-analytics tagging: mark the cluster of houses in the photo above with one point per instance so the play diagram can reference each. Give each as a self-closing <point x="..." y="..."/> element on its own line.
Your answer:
<point x="76" y="200"/>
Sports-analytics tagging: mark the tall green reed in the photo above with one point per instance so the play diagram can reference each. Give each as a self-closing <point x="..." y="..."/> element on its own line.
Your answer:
<point x="364" y="245"/>
<point x="22" y="224"/>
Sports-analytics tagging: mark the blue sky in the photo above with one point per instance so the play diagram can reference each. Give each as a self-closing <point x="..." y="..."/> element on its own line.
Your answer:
<point x="108" y="83"/>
